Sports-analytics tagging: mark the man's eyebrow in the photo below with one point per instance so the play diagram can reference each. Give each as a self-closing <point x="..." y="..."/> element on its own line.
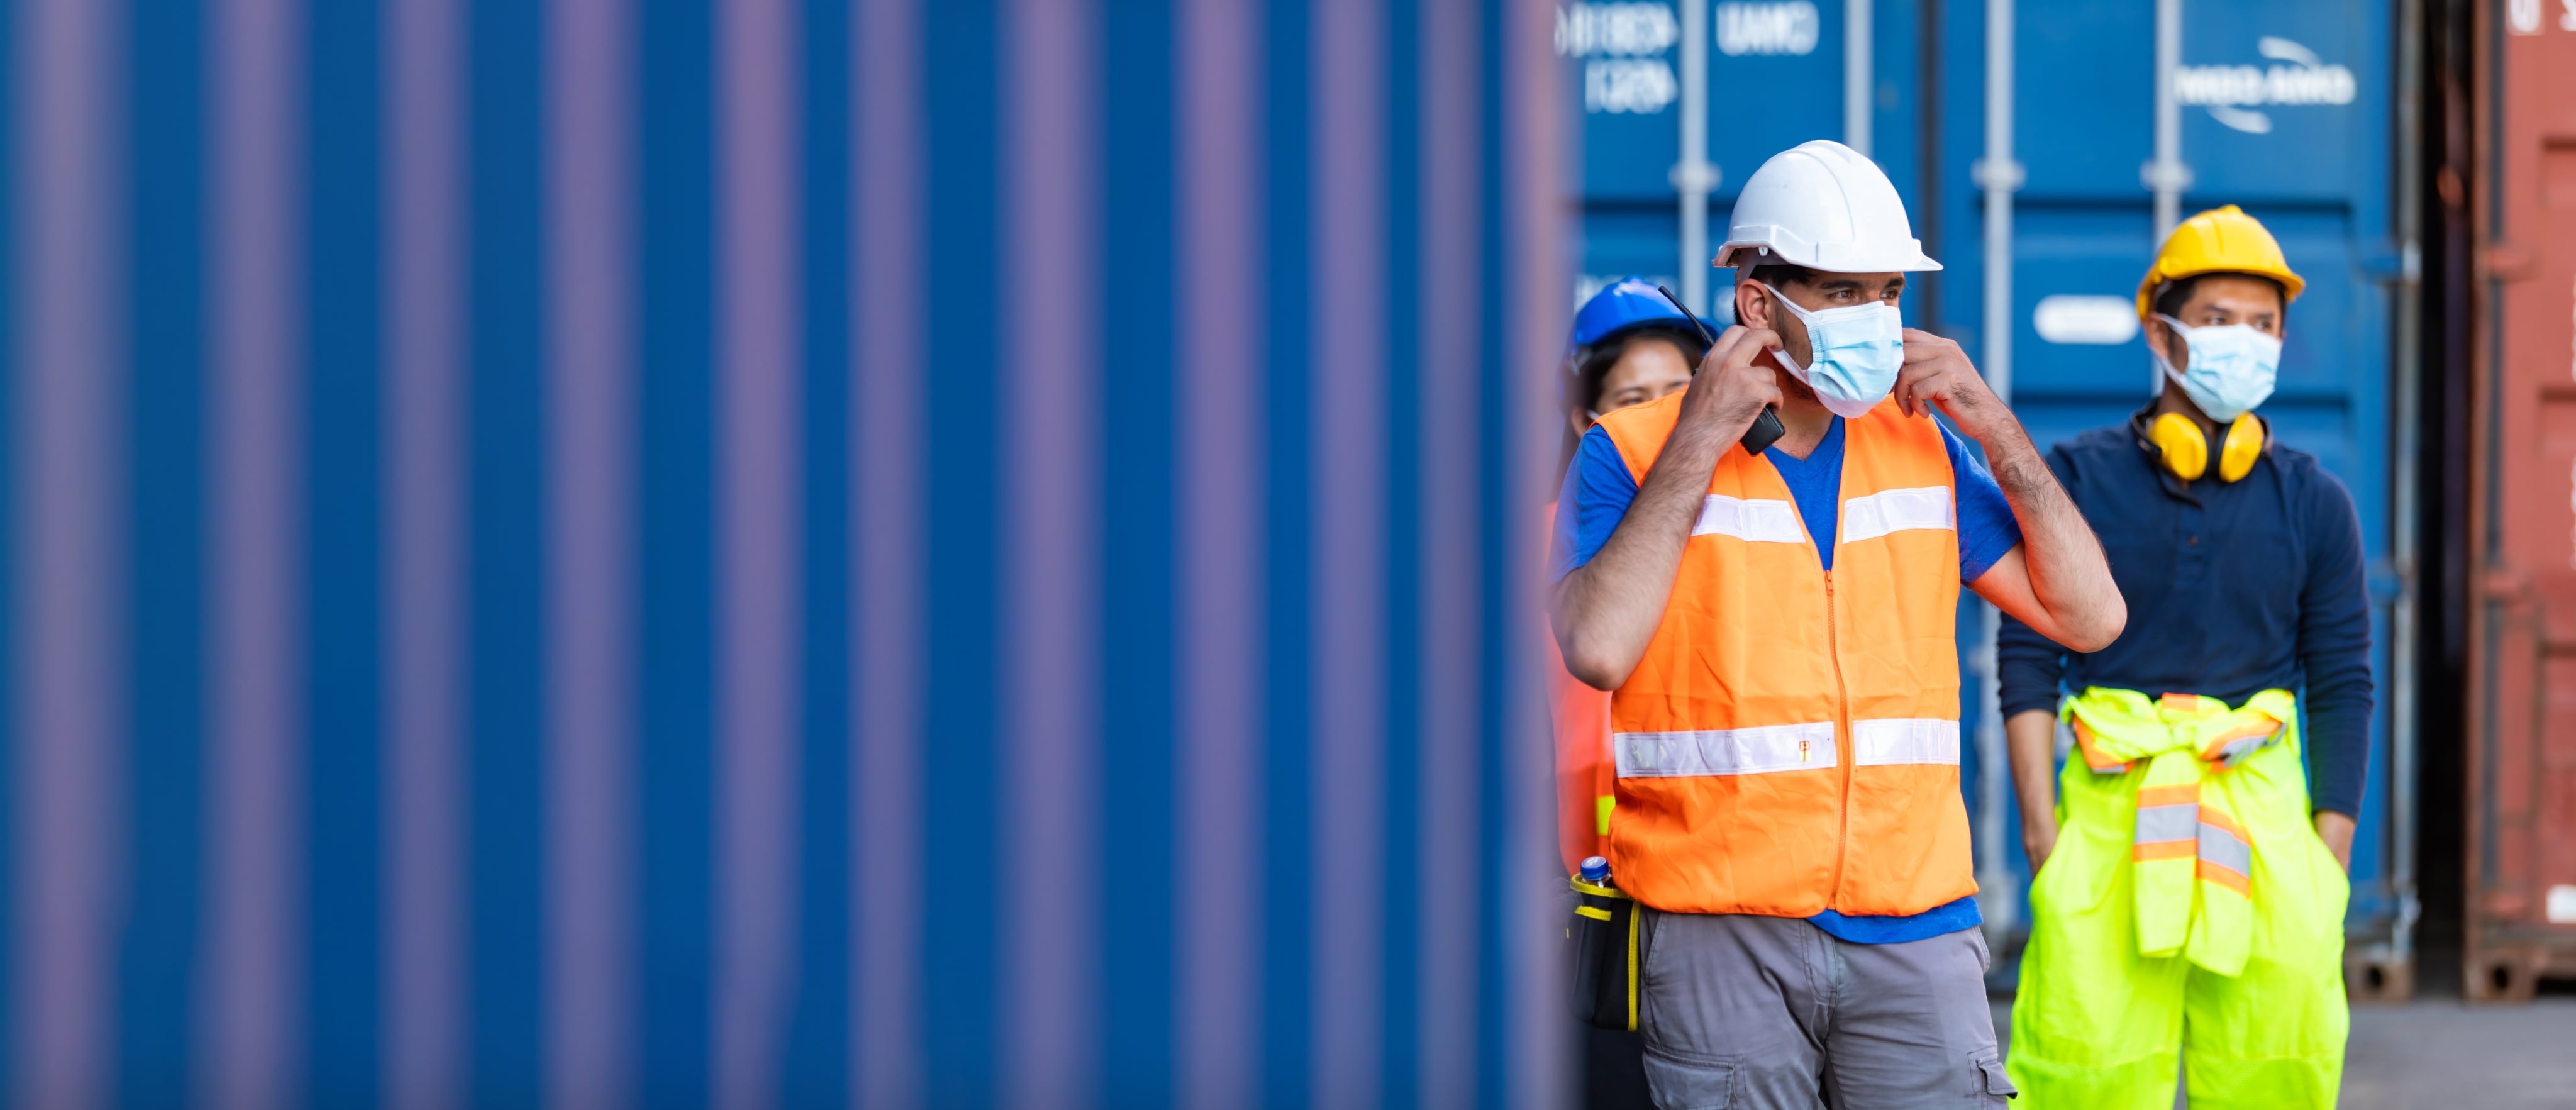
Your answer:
<point x="1831" y="284"/>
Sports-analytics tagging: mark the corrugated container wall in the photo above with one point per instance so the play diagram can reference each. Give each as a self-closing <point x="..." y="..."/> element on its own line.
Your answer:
<point x="2522" y="775"/>
<point x="2283" y="107"/>
<point x="783" y="552"/>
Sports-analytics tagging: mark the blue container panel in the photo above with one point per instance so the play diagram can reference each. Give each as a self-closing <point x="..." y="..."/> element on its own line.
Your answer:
<point x="1621" y="69"/>
<point x="2311" y="120"/>
<point x="1775" y="78"/>
<point x="1762" y="103"/>
<point x="1772" y="85"/>
<point x="2084" y="104"/>
<point x="1629" y="240"/>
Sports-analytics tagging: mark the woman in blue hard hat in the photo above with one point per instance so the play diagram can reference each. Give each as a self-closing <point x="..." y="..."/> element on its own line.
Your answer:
<point x="1628" y="346"/>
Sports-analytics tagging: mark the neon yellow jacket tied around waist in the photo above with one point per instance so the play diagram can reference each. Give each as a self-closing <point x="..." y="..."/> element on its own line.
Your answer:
<point x="2189" y="913"/>
<point x="2192" y="855"/>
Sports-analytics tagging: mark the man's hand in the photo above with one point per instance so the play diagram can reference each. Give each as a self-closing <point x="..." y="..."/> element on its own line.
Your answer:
<point x="2038" y="837"/>
<point x="1607" y="610"/>
<point x="1731" y="388"/>
<point x="2336" y="830"/>
<point x="1937" y="372"/>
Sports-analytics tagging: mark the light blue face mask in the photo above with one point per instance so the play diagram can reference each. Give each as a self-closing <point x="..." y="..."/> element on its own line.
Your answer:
<point x="1857" y="352"/>
<point x="2232" y="367"/>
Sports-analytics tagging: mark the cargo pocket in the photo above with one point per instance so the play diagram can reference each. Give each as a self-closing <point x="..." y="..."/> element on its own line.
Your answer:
<point x="1684" y="1081"/>
<point x="1993" y="1088"/>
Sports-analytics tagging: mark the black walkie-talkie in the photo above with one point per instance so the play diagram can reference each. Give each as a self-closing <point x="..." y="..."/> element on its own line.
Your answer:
<point x="1766" y="429"/>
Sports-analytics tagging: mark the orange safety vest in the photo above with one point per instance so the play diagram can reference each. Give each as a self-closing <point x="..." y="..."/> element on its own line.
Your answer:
<point x="1790" y="741"/>
<point x="1583" y="767"/>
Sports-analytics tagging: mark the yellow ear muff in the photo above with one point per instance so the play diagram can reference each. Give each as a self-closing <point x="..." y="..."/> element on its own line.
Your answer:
<point x="2244" y="445"/>
<point x="2186" y="452"/>
<point x="2179" y="443"/>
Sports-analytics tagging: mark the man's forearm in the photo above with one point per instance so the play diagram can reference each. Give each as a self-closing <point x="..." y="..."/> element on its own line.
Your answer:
<point x="1607" y="609"/>
<point x="2030" y="741"/>
<point x="2069" y="575"/>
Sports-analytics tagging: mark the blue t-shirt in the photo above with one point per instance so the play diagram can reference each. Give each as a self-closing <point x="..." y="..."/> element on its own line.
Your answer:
<point x="1598" y="490"/>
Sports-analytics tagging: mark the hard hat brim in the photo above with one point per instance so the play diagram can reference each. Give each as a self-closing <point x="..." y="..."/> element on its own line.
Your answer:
<point x="1785" y="246"/>
<point x="2148" y="290"/>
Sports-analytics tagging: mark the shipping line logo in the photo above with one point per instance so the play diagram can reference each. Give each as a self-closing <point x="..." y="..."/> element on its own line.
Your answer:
<point x="2296" y="77"/>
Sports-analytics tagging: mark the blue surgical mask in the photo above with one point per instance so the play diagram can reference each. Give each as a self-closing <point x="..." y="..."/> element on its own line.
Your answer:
<point x="2232" y="367"/>
<point x="1857" y="352"/>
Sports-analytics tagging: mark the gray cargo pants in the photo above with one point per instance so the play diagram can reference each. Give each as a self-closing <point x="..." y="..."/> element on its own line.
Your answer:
<point x="1775" y="1014"/>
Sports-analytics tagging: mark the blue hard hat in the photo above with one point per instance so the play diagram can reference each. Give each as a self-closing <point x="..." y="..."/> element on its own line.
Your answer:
<point x="1630" y="302"/>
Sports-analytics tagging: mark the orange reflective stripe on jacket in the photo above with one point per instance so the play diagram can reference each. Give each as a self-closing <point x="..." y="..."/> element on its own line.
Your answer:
<point x="1790" y="741"/>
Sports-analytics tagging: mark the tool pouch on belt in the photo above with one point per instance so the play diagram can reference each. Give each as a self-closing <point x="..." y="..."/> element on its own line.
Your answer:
<point x="1602" y="941"/>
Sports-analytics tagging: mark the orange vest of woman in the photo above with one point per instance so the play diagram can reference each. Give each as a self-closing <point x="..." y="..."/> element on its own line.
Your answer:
<point x="1583" y="766"/>
<point x="1790" y="741"/>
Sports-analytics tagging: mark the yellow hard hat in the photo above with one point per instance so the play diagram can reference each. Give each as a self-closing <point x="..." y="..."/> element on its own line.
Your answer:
<point x="2219" y="241"/>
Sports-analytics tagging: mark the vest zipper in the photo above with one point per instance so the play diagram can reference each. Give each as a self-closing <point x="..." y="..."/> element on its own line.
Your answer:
<point x="1843" y="727"/>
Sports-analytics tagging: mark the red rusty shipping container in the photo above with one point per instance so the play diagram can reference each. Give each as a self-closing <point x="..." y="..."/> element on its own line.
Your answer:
<point x="2521" y="913"/>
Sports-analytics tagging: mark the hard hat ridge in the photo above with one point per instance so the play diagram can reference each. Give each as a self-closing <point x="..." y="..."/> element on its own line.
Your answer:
<point x="1824" y="206"/>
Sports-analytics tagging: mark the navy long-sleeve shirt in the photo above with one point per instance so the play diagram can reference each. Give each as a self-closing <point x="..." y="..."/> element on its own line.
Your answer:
<point x="2233" y="589"/>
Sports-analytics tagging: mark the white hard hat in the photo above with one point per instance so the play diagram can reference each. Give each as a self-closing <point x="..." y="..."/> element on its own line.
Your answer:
<point x="1822" y="205"/>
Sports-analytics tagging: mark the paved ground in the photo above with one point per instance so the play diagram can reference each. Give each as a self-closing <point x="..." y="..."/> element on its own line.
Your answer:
<point x="2451" y="1057"/>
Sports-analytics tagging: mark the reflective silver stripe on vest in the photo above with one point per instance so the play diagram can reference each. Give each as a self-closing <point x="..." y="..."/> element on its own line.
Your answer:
<point x="1752" y="521"/>
<point x="1895" y="510"/>
<point x="1899" y="740"/>
<point x="1724" y="751"/>
<point x="2159" y="824"/>
<point x="2221" y="847"/>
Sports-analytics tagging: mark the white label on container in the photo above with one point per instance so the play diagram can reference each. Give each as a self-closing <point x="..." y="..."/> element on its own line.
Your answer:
<point x="1639" y="86"/>
<point x="2087" y="319"/>
<point x="2522" y="17"/>
<point x="2562" y="905"/>
<point x="1789" y="28"/>
<point x="1616" y="30"/>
